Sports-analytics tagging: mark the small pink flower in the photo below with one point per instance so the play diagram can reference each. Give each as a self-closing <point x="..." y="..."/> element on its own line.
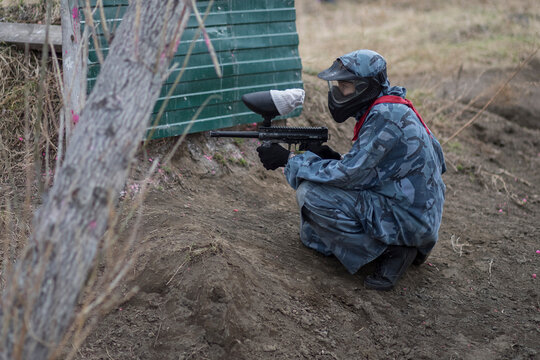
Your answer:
<point x="534" y="276"/>
<point x="500" y="210"/>
<point x="150" y="159"/>
<point x="538" y="251"/>
<point x="21" y="139"/>
<point x="235" y="210"/>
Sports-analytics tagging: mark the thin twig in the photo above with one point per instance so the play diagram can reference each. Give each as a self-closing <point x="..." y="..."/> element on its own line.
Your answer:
<point x="89" y="19"/>
<point x="177" y="79"/>
<point x="176" y="272"/>
<point x="104" y="22"/>
<point x="207" y="39"/>
<point x="489" y="270"/>
<point x="157" y="335"/>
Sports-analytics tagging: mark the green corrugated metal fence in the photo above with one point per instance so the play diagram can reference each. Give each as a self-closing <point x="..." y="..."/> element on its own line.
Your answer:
<point x="257" y="47"/>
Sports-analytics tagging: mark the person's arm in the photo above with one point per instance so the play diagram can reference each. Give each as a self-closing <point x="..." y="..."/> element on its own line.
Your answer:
<point x="358" y="169"/>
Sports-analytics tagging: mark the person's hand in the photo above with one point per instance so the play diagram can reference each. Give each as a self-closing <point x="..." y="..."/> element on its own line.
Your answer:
<point x="273" y="156"/>
<point x="324" y="151"/>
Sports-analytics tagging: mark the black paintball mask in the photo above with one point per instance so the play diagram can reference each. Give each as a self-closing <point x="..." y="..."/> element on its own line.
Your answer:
<point x="360" y="92"/>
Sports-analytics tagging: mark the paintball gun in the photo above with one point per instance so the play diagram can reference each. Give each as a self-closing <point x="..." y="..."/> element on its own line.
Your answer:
<point x="262" y="103"/>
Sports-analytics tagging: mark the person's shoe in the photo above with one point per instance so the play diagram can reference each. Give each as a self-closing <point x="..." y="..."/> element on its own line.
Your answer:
<point x="390" y="267"/>
<point x="420" y="258"/>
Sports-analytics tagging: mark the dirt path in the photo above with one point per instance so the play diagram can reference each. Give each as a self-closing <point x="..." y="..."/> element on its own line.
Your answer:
<point x="223" y="274"/>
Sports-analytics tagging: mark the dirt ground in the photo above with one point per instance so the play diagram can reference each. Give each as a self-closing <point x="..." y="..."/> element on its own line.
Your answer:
<point x="223" y="274"/>
<point x="220" y="269"/>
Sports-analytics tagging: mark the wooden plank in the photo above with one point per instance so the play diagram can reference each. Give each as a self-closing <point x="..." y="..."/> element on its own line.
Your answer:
<point x="31" y="34"/>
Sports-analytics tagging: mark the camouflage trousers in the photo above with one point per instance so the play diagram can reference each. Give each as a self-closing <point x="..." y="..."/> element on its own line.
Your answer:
<point x="329" y="224"/>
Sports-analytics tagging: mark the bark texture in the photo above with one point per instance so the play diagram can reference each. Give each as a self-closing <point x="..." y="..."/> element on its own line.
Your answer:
<point x="39" y="301"/>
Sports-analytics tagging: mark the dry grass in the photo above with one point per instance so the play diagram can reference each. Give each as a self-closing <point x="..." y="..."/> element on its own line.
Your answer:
<point x="26" y="139"/>
<point x="29" y="108"/>
<point x="28" y="11"/>
<point x="437" y="40"/>
<point x="19" y="102"/>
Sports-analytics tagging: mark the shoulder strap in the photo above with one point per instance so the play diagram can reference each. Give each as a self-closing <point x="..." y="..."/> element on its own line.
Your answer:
<point x="387" y="99"/>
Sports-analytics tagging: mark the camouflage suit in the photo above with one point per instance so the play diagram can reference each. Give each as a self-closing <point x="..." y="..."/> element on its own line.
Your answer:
<point x="387" y="190"/>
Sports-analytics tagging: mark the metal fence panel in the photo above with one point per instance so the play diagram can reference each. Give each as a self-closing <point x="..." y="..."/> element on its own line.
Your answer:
<point x="257" y="48"/>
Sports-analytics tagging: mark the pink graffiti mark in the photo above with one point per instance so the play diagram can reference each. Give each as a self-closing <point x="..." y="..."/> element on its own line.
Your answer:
<point x="206" y="39"/>
<point x="74" y="118"/>
<point x="176" y="45"/>
<point x="75" y="13"/>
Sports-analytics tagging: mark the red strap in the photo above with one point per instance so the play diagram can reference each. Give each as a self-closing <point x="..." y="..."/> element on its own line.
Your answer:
<point x="387" y="99"/>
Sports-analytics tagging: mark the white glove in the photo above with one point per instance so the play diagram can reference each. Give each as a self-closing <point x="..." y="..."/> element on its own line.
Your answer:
<point x="287" y="100"/>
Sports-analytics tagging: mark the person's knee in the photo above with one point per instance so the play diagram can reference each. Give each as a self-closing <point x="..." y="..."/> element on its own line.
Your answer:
<point x="303" y="193"/>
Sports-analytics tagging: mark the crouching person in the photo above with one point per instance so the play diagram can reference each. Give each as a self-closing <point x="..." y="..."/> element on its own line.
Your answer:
<point x="383" y="200"/>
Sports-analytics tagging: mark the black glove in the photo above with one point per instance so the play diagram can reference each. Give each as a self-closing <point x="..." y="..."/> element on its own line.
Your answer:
<point x="324" y="151"/>
<point x="273" y="156"/>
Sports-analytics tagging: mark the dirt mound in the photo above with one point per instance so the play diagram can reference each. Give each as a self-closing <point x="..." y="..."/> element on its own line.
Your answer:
<point x="223" y="274"/>
<point x="516" y="102"/>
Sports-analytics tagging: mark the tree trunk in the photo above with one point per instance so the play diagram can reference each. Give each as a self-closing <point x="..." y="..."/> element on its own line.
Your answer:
<point x="39" y="301"/>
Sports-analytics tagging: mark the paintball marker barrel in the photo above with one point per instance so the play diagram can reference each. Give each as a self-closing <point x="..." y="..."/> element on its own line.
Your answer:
<point x="280" y="134"/>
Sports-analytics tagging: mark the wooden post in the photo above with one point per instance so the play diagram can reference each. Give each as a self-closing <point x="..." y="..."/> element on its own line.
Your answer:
<point x="74" y="60"/>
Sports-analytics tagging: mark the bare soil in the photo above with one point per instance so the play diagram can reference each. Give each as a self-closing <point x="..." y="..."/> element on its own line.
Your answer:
<point x="222" y="273"/>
